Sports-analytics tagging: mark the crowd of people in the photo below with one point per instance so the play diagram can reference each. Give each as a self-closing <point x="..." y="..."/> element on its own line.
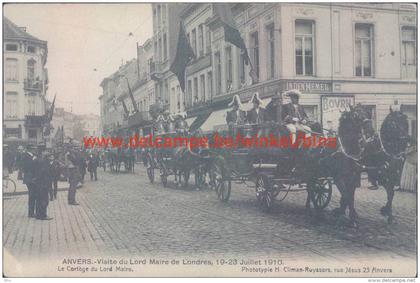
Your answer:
<point x="40" y="169"/>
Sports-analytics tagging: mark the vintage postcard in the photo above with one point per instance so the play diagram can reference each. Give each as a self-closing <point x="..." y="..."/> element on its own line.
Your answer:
<point x="219" y="139"/>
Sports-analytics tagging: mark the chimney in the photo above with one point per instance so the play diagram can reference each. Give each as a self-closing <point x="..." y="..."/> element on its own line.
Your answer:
<point x="23" y="29"/>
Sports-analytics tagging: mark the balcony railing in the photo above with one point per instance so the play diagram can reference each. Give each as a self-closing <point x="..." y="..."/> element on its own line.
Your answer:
<point x="32" y="84"/>
<point x="35" y="121"/>
<point x="156" y="69"/>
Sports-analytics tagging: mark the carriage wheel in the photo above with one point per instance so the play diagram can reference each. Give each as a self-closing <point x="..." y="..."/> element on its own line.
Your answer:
<point x="320" y="191"/>
<point x="264" y="193"/>
<point x="163" y="176"/>
<point x="151" y="174"/>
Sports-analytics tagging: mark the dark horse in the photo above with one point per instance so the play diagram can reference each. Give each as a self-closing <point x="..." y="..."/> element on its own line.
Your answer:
<point x="383" y="155"/>
<point x="362" y="149"/>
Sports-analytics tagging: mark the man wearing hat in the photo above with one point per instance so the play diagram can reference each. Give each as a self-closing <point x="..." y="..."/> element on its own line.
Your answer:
<point x="273" y="107"/>
<point x="43" y="184"/>
<point x="235" y="116"/>
<point x="257" y="114"/>
<point x="55" y="175"/>
<point x="29" y="168"/>
<point x="294" y="115"/>
<point x="72" y="175"/>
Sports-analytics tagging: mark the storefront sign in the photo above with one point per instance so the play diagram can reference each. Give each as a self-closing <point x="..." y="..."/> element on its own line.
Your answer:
<point x="332" y="106"/>
<point x="309" y="86"/>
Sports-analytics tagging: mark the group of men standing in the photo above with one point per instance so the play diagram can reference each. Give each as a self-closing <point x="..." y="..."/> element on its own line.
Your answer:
<point x="41" y="169"/>
<point x="41" y="172"/>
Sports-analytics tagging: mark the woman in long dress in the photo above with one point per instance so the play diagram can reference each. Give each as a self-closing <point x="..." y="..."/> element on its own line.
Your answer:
<point x="409" y="172"/>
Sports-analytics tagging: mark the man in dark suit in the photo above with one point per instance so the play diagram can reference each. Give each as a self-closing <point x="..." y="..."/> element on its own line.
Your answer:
<point x="272" y="108"/>
<point x="257" y="114"/>
<point x="29" y="168"/>
<point x="93" y="166"/>
<point x="72" y="175"/>
<point x="43" y="182"/>
<point x="55" y="175"/>
<point x="236" y="116"/>
<point x="294" y="115"/>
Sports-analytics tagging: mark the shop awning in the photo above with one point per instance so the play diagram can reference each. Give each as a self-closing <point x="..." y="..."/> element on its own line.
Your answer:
<point x="199" y="121"/>
<point x="215" y="121"/>
<point x="190" y="120"/>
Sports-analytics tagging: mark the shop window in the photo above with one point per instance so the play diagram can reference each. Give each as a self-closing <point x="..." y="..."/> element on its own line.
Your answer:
<point x="32" y="133"/>
<point x="408" y="52"/>
<point x="11" y="47"/>
<point x="304" y="47"/>
<point x="14" y="132"/>
<point x="31" y="49"/>
<point x="363" y="49"/>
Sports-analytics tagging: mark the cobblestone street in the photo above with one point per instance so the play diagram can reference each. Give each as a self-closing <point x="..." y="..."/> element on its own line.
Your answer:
<point x="124" y="215"/>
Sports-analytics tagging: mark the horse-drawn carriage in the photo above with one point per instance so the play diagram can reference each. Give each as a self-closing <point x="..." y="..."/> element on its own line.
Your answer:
<point x="120" y="158"/>
<point x="177" y="158"/>
<point x="276" y="170"/>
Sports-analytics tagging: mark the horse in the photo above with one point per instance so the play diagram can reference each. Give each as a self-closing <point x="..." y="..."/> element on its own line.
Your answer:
<point x="383" y="155"/>
<point x="362" y="149"/>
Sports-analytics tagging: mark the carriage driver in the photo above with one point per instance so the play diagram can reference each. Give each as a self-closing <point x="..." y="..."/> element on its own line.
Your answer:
<point x="294" y="115"/>
<point x="257" y="114"/>
<point x="236" y="115"/>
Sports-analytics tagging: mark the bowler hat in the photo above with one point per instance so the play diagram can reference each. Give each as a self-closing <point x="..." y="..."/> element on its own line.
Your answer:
<point x="235" y="101"/>
<point x="293" y="92"/>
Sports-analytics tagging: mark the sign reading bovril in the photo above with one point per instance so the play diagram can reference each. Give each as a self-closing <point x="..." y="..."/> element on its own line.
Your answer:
<point x="332" y="106"/>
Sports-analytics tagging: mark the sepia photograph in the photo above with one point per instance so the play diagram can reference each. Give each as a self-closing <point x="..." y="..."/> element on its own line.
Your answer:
<point x="210" y="139"/>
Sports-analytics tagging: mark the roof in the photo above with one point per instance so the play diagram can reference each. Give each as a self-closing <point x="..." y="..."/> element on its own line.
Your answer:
<point x="12" y="31"/>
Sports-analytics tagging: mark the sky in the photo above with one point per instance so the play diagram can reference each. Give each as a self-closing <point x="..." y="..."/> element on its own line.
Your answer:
<point x="82" y="38"/>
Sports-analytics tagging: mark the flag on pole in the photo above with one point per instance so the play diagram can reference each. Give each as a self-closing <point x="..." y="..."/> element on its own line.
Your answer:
<point x="125" y="108"/>
<point x="184" y="54"/>
<point x="232" y="34"/>
<point x="131" y="96"/>
<point x="51" y="111"/>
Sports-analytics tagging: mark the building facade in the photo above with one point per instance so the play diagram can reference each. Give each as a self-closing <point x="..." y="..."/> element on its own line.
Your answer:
<point x="334" y="53"/>
<point x="134" y="76"/>
<point x="25" y="84"/>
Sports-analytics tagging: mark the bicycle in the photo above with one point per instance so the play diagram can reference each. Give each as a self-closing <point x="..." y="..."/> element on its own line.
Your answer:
<point x="9" y="186"/>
